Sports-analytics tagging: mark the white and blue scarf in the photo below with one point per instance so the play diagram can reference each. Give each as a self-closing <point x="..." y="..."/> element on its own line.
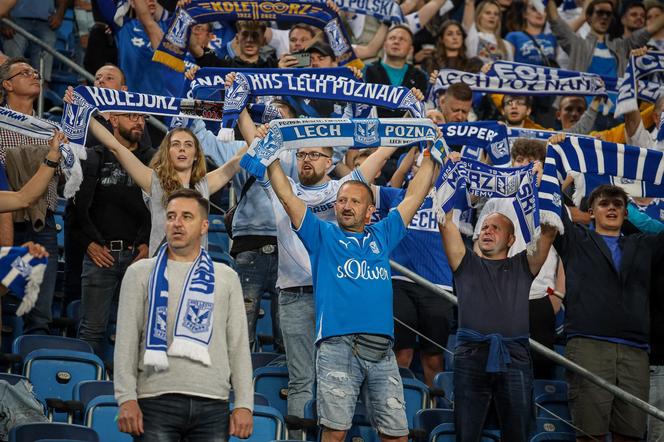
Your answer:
<point x="72" y="152"/>
<point x="195" y="313"/>
<point x="383" y="10"/>
<point x="470" y="177"/>
<point x="592" y="156"/>
<point x="22" y="273"/>
<point x="364" y="94"/>
<point x="539" y="83"/>
<point x="313" y="132"/>
<point x="633" y="81"/>
<point x="488" y="136"/>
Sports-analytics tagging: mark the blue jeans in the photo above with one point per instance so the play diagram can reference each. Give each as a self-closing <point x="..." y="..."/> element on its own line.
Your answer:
<point x="298" y="324"/>
<point x="258" y="275"/>
<point x="100" y="287"/>
<point x="655" y="426"/>
<point x="38" y="319"/>
<point x="176" y="417"/>
<point x="19" y="46"/>
<point x="18" y="405"/>
<point x="475" y="389"/>
<point x="342" y="376"/>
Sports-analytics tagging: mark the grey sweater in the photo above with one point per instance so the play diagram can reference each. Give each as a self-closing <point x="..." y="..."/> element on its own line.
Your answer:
<point x="580" y="50"/>
<point x="229" y="345"/>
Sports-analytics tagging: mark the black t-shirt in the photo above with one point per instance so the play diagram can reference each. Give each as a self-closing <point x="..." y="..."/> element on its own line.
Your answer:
<point x="493" y="294"/>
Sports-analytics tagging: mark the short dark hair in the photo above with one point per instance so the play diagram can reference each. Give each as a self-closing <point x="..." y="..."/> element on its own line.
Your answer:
<point x="530" y="148"/>
<point x="304" y="27"/>
<point x="4" y="72"/>
<point x="363" y="185"/>
<point x="607" y="191"/>
<point x="528" y="98"/>
<point x="593" y="3"/>
<point x="404" y="28"/>
<point x="629" y="5"/>
<point x="192" y="195"/>
<point x="459" y="91"/>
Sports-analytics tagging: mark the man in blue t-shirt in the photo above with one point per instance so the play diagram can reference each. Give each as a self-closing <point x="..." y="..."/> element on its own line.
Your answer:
<point x="353" y="297"/>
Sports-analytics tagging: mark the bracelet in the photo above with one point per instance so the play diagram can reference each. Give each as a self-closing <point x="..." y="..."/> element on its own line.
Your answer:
<point x="552" y="292"/>
<point x="49" y="163"/>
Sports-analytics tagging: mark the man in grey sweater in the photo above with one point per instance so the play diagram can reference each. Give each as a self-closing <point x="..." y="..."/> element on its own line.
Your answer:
<point x="188" y="400"/>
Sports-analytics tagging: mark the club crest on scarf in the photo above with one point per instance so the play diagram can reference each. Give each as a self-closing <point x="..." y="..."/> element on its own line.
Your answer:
<point x="21" y="267"/>
<point x="160" y="322"/>
<point x="236" y="95"/>
<point x="366" y="132"/>
<point x="177" y="33"/>
<point x="74" y="120"/>
<point x="199" y="316"/>
<point x="270" y="144"/>
<point x="337" y="41"/>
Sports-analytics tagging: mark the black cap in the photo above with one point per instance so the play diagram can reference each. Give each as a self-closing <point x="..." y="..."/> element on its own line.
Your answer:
<point x="322" y="48"/>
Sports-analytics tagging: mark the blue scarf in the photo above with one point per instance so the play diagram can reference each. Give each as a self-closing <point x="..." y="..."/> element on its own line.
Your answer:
<point x="592" y="156"/>
<point x="72" y="153"/>
<point x="194" y="318"/>
<point x="366" y="94"/>
<point x="512" y="70"/>
<point x="22" y="273"/>
<point x="173" y="46"/>
<point x="539" y="83"/>
<point x="472" y="177"/>
<point x="313" y="132"/>
<point x="489" y="136"/>
<point x="499" y="355"/>
<point x="637" y="69"/>
<point x="383" y="10"/>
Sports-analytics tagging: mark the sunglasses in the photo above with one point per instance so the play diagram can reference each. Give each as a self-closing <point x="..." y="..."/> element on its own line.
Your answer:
<point x="603" y="13"/>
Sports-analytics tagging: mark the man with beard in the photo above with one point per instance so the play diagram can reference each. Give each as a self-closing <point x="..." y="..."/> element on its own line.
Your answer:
<point x="633" y="17"/>
<point x="294" y="281"/>
<point x="112" y="223"/>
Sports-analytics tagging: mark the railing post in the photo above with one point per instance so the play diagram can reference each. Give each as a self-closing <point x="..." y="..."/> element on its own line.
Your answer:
<point x="40" y="99"/>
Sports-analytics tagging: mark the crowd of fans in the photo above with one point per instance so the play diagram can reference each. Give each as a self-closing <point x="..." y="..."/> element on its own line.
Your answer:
<point x="602" y="273"/>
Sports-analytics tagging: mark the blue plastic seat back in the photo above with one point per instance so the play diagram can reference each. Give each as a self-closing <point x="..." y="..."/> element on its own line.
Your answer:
<point x="52" y="431"/>
<point x="272" y="382"/>
<point x="416" y="395"/>
<point x="55" y="373"/>
<point x="554" y="437"/>
<point x="546" y="386"/>
<point x="85" y="391"/>
<point x="268" y="425"/>
<point x="444" y="381"/>
<point x="447" y="433"/>
<point x="259" y="399"/>
<point x="552" y="425"/>
<point x="28" y="343"/>
<point x="428" y="419"/>
<point x="100" y="415"/>
<point x="556" y="403"/>
<point x="263" y="359"/>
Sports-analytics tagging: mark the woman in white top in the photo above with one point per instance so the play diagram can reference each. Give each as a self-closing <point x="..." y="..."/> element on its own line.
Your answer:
<point x="483" y="28"/>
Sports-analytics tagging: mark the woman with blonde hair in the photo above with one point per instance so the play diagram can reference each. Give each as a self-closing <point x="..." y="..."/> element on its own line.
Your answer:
<point x="483" y="26"/>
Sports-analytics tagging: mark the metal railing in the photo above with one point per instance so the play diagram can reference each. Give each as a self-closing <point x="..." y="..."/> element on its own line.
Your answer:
<point x="75" y="67"/>
<point x="546" y="352"/>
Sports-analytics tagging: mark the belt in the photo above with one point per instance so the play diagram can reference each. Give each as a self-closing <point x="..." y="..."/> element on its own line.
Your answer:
<point x="119" y="245"/>
<point x="300" y="289"/>
<point x="268" y="249"/>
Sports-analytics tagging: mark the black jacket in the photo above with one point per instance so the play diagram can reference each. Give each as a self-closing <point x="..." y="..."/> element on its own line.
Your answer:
<point x="600" y="301"/>
<point x="414" y="77"/>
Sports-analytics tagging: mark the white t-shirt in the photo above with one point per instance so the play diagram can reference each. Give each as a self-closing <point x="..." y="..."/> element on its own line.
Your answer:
<point x="485" y="46"/>
<point x="279" y="42"/>
<point x="547" y="275"/>
<point x="294" y="267"/>
<point x="645" y="139"/>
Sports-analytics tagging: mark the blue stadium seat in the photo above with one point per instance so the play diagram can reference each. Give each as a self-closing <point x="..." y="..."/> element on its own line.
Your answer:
<point x="416" y="395"/>
<point x="259" y="399"/>
<point x="361" y="430"/>
<point x="85" y="391"/>
<point x="262" y="359"/>
<point x="554" y="437"/>
<point x="25" y="344"/>
<point x="447" y="433"/>
<point x="52" y="431"/>
<point x="272" y="382"/>
<point x="545" y="386"/>
<point x="551" y="425"/>
<point x="428" y="419"/>
<point x="100" y="415"/>
<point x="268" y="425"/>
<point x="556" y="403"/>
<point x="12" y="379"/>
<point x="406" y="373"/>
<point x="443" y="383"/>
<point x="559" y="371"/>
<point x="55" y="372"/>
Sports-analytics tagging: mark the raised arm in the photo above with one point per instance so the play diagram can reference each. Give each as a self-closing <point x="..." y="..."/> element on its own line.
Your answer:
<point x="429" y="10"/>
<point x="294" y="206"/>
<point x="37" y="185"/>
<point x="219" y="177"/>
<point x="371" y="49"/>
<point x="139" y="172"/>
<point x="544" y="242"/>
<point x="455" y="249"/>
<point x="149" y="23"/>
<point x="468" y="15"/>
<point x="417" y="190"/>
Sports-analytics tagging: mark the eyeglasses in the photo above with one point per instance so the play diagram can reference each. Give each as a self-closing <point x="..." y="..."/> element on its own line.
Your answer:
<point x="516" y="103"/>
<point x="313" y="156"/>
<point x="27" y="73"/>
<point x="603" y="13"/>
<point x="134" y="117"/>
<point x="250" y="35"/>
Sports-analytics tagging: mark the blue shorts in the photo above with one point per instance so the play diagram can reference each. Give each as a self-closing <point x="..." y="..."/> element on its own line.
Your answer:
<point x="340" y="377"/>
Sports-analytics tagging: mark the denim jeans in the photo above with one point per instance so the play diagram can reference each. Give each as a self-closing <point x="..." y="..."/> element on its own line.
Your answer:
<point x="37" y="321"/>
<point x="18" y="405"/>
<point x="298" y="326"/>
<point x="100" y="287"/>
<point x="655" y="426"/>
<point x="475" y="389"/>
<point x="19" y="46"/>
<point x="258" y="275"/>
<point x="176" y="417"/>
<point x="343" y="376"/>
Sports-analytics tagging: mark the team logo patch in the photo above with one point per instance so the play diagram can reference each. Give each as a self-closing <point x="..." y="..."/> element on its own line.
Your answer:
<point x="22" y="267"/>
<point x="74" y="122"/>
<point x="270" y="144"/>
<point x="374" y="247"/>
<point x="160" y="323"/>
<point x="366" y="132"/>
<point x="199" y="316"/>
<point x="500" y="149"/>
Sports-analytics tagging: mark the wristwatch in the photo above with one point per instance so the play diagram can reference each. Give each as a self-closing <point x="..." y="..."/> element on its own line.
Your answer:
<point x="49" y="163"/>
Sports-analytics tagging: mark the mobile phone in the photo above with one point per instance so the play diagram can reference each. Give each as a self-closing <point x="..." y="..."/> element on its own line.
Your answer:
<point x="303" y="59"/>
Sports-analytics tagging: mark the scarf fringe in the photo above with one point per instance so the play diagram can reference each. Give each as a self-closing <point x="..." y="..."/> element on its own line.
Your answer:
<point x="156" y="359"/>
<point x="31" y="290"/>
<point x="189" y="349"/>
<point x="552" y="219"/>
